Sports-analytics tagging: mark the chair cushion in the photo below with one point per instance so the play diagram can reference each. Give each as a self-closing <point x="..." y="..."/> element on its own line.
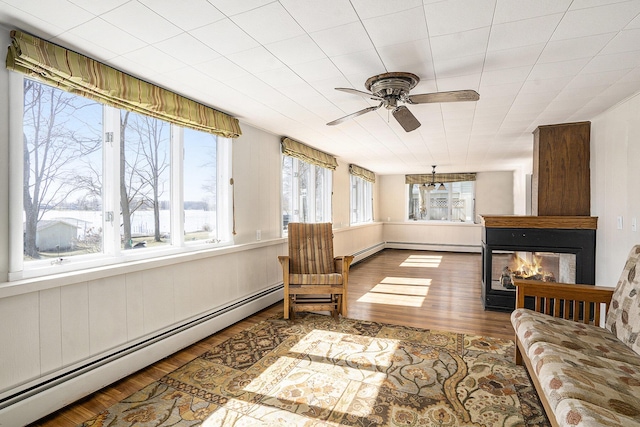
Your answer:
<point x="311" y="248"/>
<point x="532" y="327"/>
<point x="573" y="412"/>
<point x="623" y="318"/>
<point x="568" y="374"/>
<point x="315" y="279"/>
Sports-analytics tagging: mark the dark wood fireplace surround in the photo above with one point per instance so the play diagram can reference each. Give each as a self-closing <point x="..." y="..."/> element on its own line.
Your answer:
<point x="560" y="207"/>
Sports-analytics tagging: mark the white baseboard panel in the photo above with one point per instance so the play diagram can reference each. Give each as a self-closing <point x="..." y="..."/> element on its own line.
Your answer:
<point x="49" y="398"/>
<point x="360" y="255"/>
<point x="441" y="247"/>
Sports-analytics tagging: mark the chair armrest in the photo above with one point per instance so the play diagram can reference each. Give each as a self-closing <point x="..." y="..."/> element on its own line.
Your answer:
<point x="564" y="299"/>
<point x="342" y="263"/>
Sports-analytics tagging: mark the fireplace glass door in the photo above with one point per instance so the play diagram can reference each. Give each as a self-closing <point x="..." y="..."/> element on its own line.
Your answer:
<point x="543" y="266"/>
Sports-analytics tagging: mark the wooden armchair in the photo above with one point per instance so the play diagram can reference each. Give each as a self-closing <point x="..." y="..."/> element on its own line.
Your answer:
<point x="314" y="280"/>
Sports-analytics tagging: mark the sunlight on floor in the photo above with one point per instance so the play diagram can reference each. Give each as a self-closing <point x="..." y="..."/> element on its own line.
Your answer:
<point x="405" y="291"/>
<point x="324" y="372"/>
<point x="428" y="261"/>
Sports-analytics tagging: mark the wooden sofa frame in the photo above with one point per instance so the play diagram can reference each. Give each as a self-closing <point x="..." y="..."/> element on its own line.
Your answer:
<point x="564" y="300"/>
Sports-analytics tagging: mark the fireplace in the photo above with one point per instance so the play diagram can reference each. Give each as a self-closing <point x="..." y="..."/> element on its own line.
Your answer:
<point x="552" y="249"/>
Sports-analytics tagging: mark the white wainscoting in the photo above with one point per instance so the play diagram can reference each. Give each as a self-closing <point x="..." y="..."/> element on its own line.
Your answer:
<point x="434" y="236"/>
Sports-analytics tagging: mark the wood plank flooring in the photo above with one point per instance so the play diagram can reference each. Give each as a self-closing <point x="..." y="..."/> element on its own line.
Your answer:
<point x="434" y="290"/>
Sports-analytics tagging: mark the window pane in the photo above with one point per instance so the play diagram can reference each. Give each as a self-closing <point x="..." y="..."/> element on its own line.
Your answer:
<point x="144" y="177"/>
<point x="287" y="192"/>
<point x="200" y="186"/>
<point x="453" y="202"/>
<point x="63" y="173"/>
<point x="303" y="188"/>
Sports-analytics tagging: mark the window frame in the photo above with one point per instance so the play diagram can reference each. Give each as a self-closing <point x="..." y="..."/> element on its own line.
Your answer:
<point x="361" y="200"/>
<point x="326" y="197"/>
<point x="450" y="199"/>
<point x="112" y="254"/>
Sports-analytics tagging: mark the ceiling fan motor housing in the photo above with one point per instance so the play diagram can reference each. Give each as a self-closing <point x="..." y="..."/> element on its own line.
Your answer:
<point x="392" y="86"/>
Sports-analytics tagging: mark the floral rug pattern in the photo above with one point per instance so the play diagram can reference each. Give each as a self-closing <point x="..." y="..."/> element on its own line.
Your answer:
<point x="319" y="371"/>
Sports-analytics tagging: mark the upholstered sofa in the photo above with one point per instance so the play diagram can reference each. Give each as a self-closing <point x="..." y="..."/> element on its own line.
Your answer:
<point x="585" y="375"/>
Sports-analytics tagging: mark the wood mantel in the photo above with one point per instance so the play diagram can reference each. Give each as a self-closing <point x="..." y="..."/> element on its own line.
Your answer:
<point x="557" y="222"/>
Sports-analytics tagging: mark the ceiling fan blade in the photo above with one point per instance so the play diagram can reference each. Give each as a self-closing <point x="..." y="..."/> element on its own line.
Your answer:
<point x="453" y="96"/>
<point x="359" y="92"/>
<point x="406" y="119"/>
<point x="352" y="115"/>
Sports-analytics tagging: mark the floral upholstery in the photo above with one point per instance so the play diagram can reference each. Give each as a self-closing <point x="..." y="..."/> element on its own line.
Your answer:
<point x="532" y="327"/>
<point x="573" y="412"/>
<point x="623" y="318"/>
<point x="568" y="374"/>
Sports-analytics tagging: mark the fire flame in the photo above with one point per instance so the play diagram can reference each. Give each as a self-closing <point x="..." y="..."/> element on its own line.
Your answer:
<point x="533" y="269"/>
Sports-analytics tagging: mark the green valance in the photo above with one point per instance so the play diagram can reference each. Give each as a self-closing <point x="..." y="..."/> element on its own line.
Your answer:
<point x="426" y="178"/>
<point x="293" y="148"/>
<point x="363" y="173"/>
<point x="78" y="74"/>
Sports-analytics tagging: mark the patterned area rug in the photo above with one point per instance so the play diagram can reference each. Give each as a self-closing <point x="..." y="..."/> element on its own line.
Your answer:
<point x="318" y="371"/>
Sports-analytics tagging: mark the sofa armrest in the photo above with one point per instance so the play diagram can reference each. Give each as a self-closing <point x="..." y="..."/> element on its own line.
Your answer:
<point x="565" y="300"/>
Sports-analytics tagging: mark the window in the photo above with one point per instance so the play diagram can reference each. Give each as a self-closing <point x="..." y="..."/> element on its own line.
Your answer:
<point x="455" y="202"/>
<point x="102" y="185"/>
<point x="306" y="192"/>
<point x="361" y="200"/>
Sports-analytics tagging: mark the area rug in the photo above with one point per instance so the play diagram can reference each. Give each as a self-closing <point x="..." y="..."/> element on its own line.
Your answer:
<point x="319" y="371"/>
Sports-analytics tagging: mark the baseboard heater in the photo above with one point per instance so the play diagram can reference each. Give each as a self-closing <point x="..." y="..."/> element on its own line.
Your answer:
<point x="363" y="254"/>
<point x="231" y="313"/>
<point x="444" y="247"/>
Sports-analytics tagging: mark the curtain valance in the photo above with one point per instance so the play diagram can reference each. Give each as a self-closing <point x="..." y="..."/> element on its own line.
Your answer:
<point x="76" y="73"/>
<point x="439" y="177"/>
<point x="363" y="173"/>
<point x="293" y="148"/>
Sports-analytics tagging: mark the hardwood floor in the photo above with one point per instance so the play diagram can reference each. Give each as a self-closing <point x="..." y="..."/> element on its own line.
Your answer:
<point x="434" y="290"/>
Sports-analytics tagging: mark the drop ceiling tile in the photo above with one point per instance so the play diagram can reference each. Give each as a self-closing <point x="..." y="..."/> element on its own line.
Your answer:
<point x="557" y="69"/>
<point x="586" y="80"/>
<point x="268" y="24"/>
<point x="384" y="30"/>
<point x="517" y="10"/>
<point x="618" y="61"/>
<point x="128" y="66"/>
<point x="187" y="49"/>
<point x="342" y="40"/>
<point x="296" y="50"/>
<point x="279" y="77"/>
<point x="624" y="41"/>
<point x="596" y="20"/>
<point x="583" y="47"/>
<point x="457" y="45"/>
<point x="186" y="14"/>
<point x="118" y="41"/>
<point x="373" y="8"/>
<point x="224" y="37"/>
<point x="65" y="14"/>
<point x="162" y="62"/>
<point x="315" y="15"/>
<point x="98" y="7"/>
<point x="221" y="69"/>
<point x="545" y="85"/>
<point x="141" y="22"/>
<point x="320" y="69"/>
<point x="504" y="76"/>
<point x="233" y="7"/>
<point x="459" y="83"/>
<point x="513" y="57"/>
<point x="523" y="33"/>
<point x="413" y="56"/>
<point x="460" y="66"/>
<point x="458" y="15"/>
<point x="365" y="64"/>
<point x="256" y="60"/>
<point x="10" y="15"/>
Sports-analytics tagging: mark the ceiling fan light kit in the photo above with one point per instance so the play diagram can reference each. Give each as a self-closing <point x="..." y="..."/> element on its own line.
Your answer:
<point x="391" y="88"/>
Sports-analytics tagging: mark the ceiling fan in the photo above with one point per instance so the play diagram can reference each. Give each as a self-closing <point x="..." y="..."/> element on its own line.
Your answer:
<point x="391" y="88"/>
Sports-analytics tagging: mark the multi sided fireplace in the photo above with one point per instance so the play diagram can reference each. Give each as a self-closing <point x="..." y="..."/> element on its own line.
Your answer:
<point x="544" y="248"/>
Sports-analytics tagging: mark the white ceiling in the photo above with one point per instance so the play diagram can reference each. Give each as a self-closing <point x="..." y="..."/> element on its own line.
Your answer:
<point x="275" y="64"/>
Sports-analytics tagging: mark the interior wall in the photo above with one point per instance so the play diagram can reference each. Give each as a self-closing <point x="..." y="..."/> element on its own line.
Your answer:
<point x="494" y="193"/>
<point x="4" y="161"/>
<point x="615" y="153"/>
